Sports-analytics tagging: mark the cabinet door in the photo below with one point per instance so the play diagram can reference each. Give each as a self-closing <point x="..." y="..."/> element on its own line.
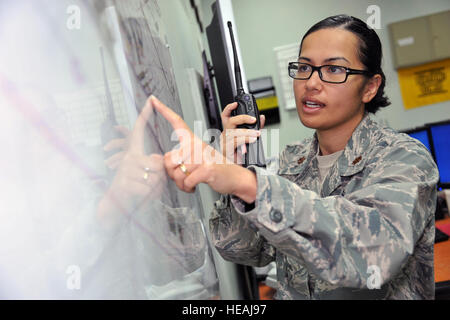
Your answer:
<point x="411" y="42"/>
<point x="440" y="37"/>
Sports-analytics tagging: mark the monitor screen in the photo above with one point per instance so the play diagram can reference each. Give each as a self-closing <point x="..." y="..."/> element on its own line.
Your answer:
<point x="222" y="68"/>
<point x="440" y="135"/>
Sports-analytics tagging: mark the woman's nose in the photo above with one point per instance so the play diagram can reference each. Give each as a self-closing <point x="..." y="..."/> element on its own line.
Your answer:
<point x="314" y="82"/>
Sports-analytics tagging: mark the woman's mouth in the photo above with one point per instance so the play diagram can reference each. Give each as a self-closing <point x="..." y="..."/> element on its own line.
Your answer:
<point x="312" y="106"/>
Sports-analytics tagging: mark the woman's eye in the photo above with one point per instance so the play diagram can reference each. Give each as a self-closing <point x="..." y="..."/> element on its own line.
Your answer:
<point x="335" y="69"/>
<point x="303" y="68"/>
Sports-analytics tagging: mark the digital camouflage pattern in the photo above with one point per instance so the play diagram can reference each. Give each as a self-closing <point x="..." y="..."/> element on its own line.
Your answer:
<point x="375" y="209"/>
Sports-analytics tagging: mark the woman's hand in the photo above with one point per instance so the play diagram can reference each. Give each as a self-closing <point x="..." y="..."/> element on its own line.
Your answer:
<point x="139" y="177"/>
<point x="231" y="138"/>
<point x="121" y="145"/>
<point x="196" y="162"/>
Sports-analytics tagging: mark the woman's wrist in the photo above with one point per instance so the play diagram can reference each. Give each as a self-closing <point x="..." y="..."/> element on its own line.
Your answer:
<point x="108" y="210"/>
<point x="246" y="186"/>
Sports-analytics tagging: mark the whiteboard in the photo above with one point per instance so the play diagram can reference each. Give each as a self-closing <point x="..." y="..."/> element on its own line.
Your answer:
<point x="284" y="55"/>
<point x="56" y="92"/>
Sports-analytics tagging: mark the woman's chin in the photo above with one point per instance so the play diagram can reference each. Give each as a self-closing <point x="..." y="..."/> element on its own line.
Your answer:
<point x="310" y="121"/>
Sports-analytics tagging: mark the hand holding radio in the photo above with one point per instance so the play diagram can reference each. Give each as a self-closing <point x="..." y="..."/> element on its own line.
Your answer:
<point x="232" y="138"/>
<point x="246" y="105"/>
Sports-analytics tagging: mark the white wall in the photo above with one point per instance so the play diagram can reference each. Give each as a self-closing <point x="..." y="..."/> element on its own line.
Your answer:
<point x="265" y="24"/>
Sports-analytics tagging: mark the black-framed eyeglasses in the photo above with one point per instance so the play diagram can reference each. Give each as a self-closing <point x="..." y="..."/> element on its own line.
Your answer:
<point x="327" y="73"/>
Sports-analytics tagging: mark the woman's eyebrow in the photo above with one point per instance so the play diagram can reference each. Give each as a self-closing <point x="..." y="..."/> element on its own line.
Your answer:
<point x="326" y="60"/>
<point x="336" y="58"/>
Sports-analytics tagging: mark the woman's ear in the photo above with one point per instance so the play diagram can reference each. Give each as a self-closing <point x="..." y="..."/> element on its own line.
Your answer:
<point x="371" y="88"/>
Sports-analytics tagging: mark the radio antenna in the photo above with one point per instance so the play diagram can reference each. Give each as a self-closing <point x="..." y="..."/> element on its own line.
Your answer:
<point x="237" y="68"/>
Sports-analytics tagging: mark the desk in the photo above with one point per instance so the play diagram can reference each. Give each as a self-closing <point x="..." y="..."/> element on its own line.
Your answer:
<point x="442" y="257"/>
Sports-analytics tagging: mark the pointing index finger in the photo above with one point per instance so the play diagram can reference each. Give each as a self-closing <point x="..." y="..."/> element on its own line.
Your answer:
<point x="174" y="119"/>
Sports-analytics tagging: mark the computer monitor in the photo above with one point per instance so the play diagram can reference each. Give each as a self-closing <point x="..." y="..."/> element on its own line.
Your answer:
<point x="223" y="70"/>
<point x="440" y="135"/>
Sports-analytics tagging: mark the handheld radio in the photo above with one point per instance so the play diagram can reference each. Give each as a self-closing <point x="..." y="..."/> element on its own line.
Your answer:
<point x="247" y="105"/>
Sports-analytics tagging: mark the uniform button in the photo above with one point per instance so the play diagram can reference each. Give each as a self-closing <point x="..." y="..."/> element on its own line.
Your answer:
<point x="276" y="216"/>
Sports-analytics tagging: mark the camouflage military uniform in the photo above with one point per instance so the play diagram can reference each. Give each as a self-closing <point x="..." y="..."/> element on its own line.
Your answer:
<point x="374" y="211"/>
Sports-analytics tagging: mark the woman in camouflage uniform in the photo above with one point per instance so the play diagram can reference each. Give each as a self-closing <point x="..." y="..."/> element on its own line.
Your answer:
<point x="350" y="212"/>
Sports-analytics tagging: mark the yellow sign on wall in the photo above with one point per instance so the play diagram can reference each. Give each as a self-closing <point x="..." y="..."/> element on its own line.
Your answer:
<point x="425" y="84"/>
<point x="265" y="103"/>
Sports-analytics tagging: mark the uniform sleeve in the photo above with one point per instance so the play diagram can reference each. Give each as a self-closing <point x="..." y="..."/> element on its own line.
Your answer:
<point x="338" y="237"/>
<point x="236" y="238"/>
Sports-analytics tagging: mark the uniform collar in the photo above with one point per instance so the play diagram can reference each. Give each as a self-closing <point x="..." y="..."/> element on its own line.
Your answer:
<point x="354" y="157"/>
<point x="297" y="157"/>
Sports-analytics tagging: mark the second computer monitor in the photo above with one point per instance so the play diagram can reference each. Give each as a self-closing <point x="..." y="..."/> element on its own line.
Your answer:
<point x="440" y="135"/>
